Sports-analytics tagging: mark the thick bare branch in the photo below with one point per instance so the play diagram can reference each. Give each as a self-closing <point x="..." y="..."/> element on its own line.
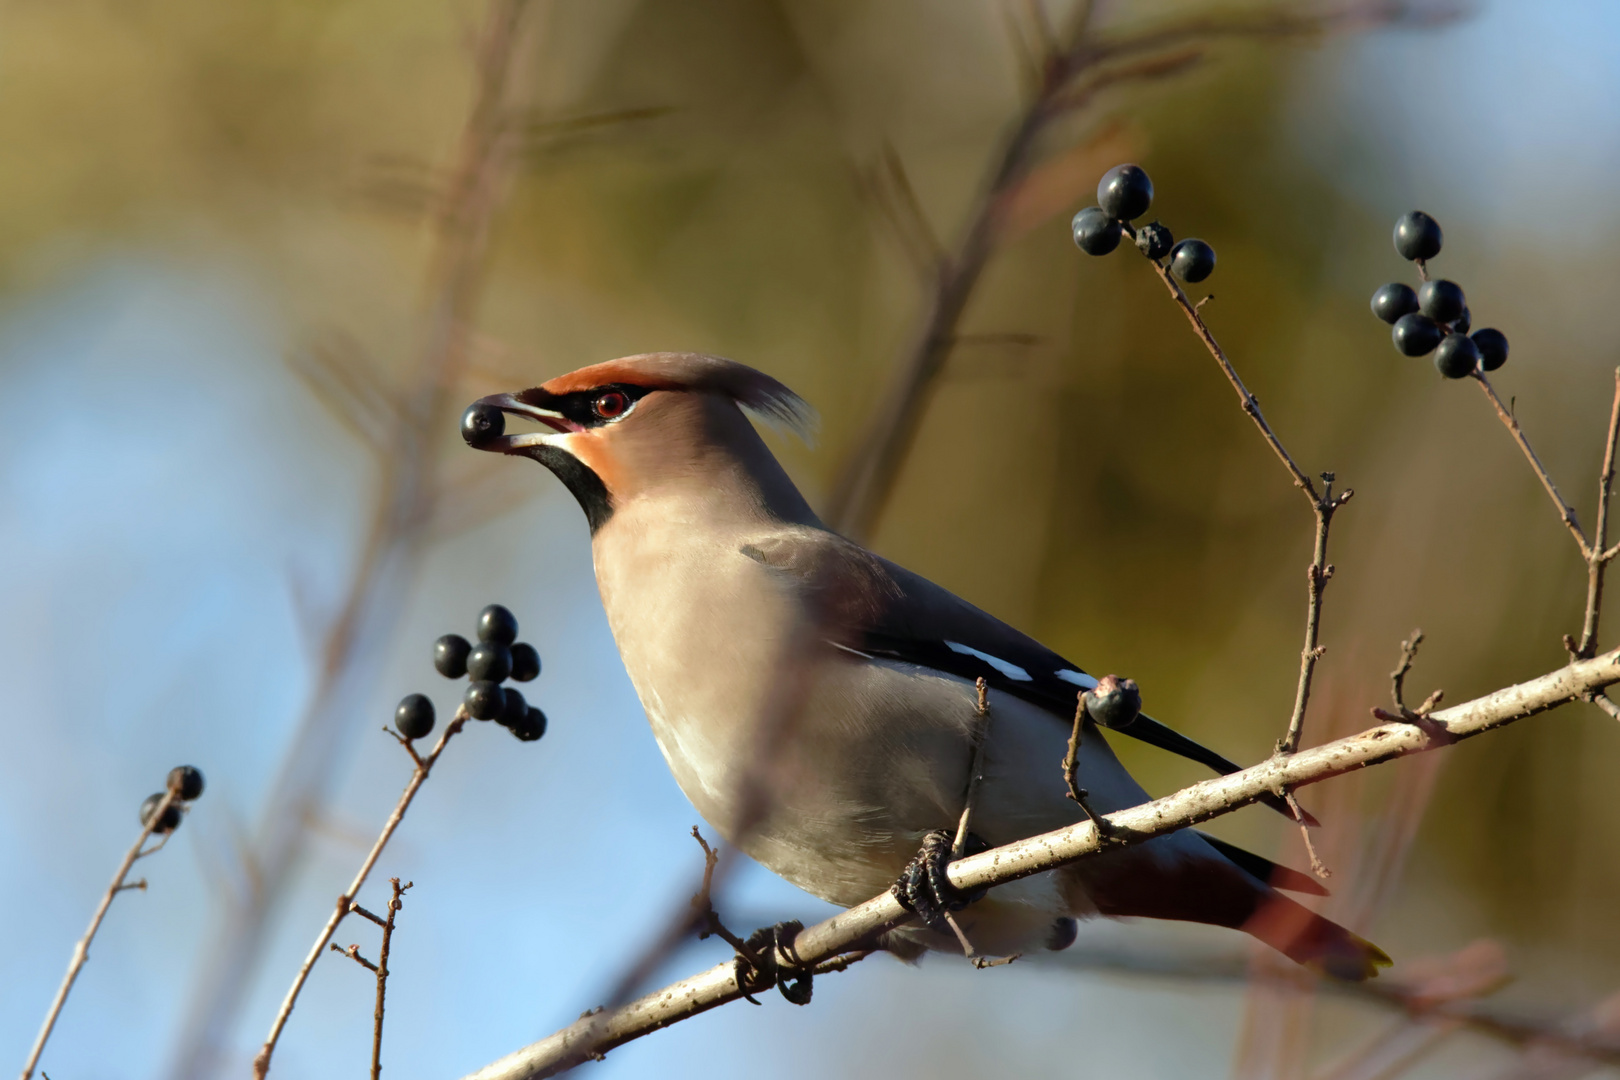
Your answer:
<point x="856" y="929"/>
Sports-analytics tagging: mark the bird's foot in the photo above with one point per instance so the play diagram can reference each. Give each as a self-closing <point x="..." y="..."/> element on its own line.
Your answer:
<point x="923" y="887"/>
<point x="759" y="969"/>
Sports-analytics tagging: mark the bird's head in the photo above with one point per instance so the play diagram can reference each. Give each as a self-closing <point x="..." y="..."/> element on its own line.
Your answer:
<point x="648" y="425"/>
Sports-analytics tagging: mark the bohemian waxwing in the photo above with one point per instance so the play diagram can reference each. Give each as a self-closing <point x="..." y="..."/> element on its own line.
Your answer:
<point x="817" y="703"/>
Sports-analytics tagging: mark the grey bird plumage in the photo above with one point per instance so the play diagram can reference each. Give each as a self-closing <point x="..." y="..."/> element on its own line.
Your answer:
<point x="817" y="702"/>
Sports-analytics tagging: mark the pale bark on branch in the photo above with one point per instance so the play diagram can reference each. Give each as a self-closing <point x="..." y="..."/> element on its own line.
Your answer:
<point x="594" y="1035"/>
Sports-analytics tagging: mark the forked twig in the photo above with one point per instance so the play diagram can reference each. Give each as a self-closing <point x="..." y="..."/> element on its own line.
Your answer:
<point x="380" y="968"/>
<point x="346" y="903"/>
<point x="1323" y="505"/>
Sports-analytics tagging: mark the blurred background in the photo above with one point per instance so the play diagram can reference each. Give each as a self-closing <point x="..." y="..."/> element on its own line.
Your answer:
<point x="255" y="258"/>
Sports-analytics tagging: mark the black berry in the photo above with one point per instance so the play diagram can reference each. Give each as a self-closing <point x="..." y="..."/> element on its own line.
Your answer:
<point x="513" y="709"/>
<point x="414" y="717"/>
<point x="1155" y="240"/>
<point x="1095" y="233"/>
<point x="1457" y="356"/>
<point x="1461" y="323"/>
<point x="1442" y="300"/>
<point x="484" y="700"/>
<point x="525" y="661"/>
<point x="1192" y="260"/>
<point x="1417" y="236"/>
<point x="1125" y="192"/>
<point x="186" y="781"/>
<point x="1114" y="702"/>
<point x="1493" y="348"/>
<point x="533" y="726"/>
<point x="1394" y="300"/>
<point x="482" y="425"/>
<point x="489" y="662"/>
<point x="1416" y="334"/>
<point x="497" y="624"/>
<point x="170" y="819"/>
<point x="450" y="656"/>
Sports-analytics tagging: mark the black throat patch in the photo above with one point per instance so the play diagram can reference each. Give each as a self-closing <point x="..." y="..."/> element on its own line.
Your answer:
<point x="579" y="479"/>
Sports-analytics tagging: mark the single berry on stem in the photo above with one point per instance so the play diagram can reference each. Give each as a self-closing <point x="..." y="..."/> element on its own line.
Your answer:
<point x="525" y="662"/>
<point x="1155" y="240"/>
<point x="1416" y="334"/>
<point x="1125" y="192"/>
<point x="170" y="819"/>
<point x="1192" y="261"/>
<point x="484" y="700"/>
<point x="1114" y="702"/>
<point x="1095" y="233"/>
<point x="186" y="781"/>
<point x="1394" y="300"/>
<point x="489" y="662"/>
<point x="414" y="717"/>
<point x="1442" y="300"/>
<point x="533" y="726"/>
<point x="482" y="425"/>
<point x="513" y="709"/>
<point x="1493" y="348"/>
<point x="1417" y="236"/>
<point x="450" y="656"/>
<point x="497" y="624"/>
<point x="1457" y="356"/>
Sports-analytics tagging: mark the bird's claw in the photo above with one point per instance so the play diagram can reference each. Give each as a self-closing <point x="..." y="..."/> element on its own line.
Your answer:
<point x="924" y="889"/>
<point x="758" y="969"/>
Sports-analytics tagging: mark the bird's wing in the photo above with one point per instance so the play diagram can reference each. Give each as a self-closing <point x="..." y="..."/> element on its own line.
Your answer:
<point x="878" y="608"/>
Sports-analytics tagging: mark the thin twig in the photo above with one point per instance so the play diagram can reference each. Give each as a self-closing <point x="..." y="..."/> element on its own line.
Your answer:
<point x="1249" y="403"/>
<point x="1317" y="575"/>
<point x="1566" y="513"/>
<point x="1071" y="764"/>
<point x="1397" y="678"/>
<point x="345" y="903"/>
<point x="981" y="737"/>
<point x="857" y="928"/>
<point x="394" y="904"/>
<point x="1318" y="867"/>
<point x="81" y="949"/>
<point x="1597" y="559"/>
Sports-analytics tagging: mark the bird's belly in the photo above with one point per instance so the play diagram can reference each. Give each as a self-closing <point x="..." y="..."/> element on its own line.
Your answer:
<point x="834" y="787"/>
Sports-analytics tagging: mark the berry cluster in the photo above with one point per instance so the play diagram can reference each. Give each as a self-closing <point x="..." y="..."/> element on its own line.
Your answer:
<point x="1123" y="195"/>
<point x="498" y="656"/>
<point x="186" y="781"/>
<point x="1435" y="318"/>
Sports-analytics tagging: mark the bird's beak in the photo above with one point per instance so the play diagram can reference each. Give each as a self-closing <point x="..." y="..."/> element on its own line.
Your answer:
<point x="513" y="405"/>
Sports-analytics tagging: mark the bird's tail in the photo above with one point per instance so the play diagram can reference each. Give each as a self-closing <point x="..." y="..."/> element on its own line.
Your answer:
<point x="1314" y="942"/>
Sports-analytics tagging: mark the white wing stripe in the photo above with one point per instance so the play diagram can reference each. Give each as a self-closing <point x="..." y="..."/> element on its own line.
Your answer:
<point x="1012" y="671"/>
<point x="1078" y="678"/>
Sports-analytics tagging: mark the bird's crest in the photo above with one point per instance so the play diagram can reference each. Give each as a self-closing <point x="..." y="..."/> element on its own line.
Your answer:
<point x="755" y="391"/>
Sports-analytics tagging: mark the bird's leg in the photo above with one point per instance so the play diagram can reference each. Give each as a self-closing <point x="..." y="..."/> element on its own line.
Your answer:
<point x="923" y="887"/>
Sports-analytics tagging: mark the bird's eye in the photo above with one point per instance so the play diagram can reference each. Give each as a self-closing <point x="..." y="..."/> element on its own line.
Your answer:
<point x="610" y="405"/>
